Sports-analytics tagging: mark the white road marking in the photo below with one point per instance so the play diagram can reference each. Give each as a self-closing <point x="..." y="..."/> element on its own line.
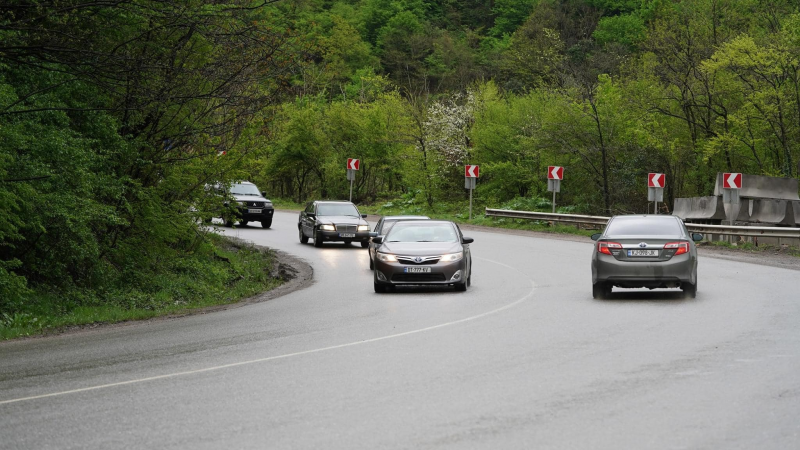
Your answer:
<point x="288" y="355"/>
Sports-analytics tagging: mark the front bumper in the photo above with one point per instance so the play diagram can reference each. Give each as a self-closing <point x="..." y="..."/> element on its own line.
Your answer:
<point x="265" y="214"/>
<point x="341" y="236"/>
<point x="442" y="273"/>
<point x="678" y="270"/>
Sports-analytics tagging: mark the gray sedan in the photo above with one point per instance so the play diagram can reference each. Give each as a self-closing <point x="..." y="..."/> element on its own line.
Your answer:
<point x="644" y="251"/>
<point x="423" y="252"/>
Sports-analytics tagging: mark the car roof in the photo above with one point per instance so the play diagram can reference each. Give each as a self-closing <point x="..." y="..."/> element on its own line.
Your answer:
<point x="405" y="217"/>
<point x="332" y="201"/>
<point x="428" y="221"/>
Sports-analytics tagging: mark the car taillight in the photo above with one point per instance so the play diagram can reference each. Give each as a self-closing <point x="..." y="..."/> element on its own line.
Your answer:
<point x="606" y="247"/>
<point x="680" y="247"/>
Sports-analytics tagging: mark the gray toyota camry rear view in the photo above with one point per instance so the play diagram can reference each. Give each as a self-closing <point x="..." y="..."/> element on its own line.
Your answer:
<point x="644" y="251"/>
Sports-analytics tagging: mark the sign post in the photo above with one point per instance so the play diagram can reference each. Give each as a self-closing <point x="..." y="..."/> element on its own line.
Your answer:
<point x="731" y="183"/>
<point x="471" y="174"/>
<point x="655" y="189"/>
<point x="352" y="167"/>
<point x="554" y="176"/>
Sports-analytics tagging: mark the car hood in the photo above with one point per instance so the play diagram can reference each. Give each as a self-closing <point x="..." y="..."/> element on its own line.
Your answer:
<point x="420" y="248"/>
<point x="249" y="198"/>
<point x="342" y="220"/>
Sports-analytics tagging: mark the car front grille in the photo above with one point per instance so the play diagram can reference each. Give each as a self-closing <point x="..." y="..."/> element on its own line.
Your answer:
<point x="254" y="204"/>
<point x="347" y="228"/>
<point x="423" y="260"/>
<point x="411" y="277"/>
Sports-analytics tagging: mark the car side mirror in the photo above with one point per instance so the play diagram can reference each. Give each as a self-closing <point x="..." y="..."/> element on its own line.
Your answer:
<point x="697" y="237"/>
<point x="311" y="215"/>
<point x="467" y="240"/>
<point x="377" y="240"/>
<point x="264" y="194"/>
<point x="596" y="236"/>
<point x="373" y="234"/>
<point x="363" y="216"/>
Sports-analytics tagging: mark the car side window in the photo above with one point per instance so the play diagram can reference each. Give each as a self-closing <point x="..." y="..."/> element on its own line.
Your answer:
<point x="378" y="226"/>
<point x="310" y="208"/>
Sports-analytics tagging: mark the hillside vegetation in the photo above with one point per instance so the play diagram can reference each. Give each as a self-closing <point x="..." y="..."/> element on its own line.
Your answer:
<point x="115" y="115"/>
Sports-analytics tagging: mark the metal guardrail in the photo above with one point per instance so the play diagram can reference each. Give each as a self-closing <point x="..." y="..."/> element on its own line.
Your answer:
<point x="725" y="230"/>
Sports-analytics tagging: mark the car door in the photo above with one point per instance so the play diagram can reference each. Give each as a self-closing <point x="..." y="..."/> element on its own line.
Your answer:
<point x="307" y="222"/>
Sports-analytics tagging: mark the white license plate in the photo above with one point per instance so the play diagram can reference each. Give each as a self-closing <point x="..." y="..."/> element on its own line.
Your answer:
<point x="254" y="211"/>
<point x="346" y="235"/>
<point x="650" y="253"/>
<point x="417" y="269"/>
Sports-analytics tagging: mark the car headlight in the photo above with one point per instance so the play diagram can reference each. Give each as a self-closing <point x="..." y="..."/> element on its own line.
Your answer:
<point x="386" y="257"/>
<point x="452" y="257"/>
<point x="327" y="228"/>
<point x="363" y="228"/>
<point x="240" y="203"/>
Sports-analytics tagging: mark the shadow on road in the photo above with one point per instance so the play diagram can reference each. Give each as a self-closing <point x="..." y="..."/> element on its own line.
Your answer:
<point x="657" y="296"/>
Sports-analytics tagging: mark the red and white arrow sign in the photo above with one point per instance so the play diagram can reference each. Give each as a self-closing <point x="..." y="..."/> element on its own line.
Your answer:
<point x="472" y="171"/>
<point x="555" y="172"/>
<point x="656" y="180"/>
<point x="353" y="164"/>
<point x="732" y="180"/>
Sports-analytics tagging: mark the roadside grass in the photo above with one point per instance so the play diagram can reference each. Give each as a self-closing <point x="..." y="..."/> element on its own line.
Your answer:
<point x="752" y="248"/>
<point x="221" y="272"/>
<point x="459" y="212"/>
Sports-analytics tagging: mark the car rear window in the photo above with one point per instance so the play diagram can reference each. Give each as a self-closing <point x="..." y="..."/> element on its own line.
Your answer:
<point x="643" y="226"/>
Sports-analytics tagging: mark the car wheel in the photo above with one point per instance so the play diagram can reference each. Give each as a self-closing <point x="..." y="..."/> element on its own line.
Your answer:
<point x="601" y="290"/>
<point x="689" y="290"/>
<point x="228" y="222"/>
<point x="461" y="287"/>
<point x="364" y="244"/>
<point x="317" y="239"/>
<point x="266" y="223"/>
<point x="379" y="288"/>
<point x="303" y="237"/>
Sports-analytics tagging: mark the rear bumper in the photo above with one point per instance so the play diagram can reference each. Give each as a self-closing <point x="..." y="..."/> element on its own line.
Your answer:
<point x="678" y="270"/>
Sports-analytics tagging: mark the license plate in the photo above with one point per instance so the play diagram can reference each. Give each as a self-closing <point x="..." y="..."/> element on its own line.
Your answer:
<point x="346" y="235"/>
<point x="417" y="269"/>
<point x="650" y="253"/>
<point x="254" y="211"/>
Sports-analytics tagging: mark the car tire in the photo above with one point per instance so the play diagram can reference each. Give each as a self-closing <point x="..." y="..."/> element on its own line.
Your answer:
<point x="266" y="223"/>
<point x="228" y="222"/>
<point x="379" y="288"/>
<point x="689" y="290"/>
<point x="364" y="244"/>
<point x="601" y="290"/>
<point x="461" y="287"/>
<point x="317" y="240"/>
<point x="243" y="223"/>
<point x="303" y="237"/>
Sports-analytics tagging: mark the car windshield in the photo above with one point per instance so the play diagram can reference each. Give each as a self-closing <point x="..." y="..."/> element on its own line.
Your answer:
<point x="643" y="226"/>
<point x="244" y="189"/>
<point x="337" y="209"/>
<point x="389" y="223"/>
<point x="422" y="232"/>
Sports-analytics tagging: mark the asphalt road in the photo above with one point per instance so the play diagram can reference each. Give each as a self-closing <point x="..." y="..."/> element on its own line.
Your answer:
<point x="524" y="359"/>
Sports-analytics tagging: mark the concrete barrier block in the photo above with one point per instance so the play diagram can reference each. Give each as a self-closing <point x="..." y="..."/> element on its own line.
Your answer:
<point x="699" y="208"/>
<point x="757" y="186"/>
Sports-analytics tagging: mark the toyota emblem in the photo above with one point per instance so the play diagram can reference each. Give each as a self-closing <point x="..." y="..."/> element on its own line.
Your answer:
<point x="642" y="244"/>
<point x="417" y="260"/>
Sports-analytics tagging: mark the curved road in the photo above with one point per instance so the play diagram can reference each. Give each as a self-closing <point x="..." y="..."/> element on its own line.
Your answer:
<point x="524" y="359"/>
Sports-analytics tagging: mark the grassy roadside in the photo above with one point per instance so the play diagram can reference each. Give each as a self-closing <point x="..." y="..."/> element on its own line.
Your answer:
<point x="749" y="247"/>
<point x="222" y="272"/>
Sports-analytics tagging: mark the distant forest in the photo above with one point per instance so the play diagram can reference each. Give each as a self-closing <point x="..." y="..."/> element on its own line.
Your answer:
<point x="115" y="115"/>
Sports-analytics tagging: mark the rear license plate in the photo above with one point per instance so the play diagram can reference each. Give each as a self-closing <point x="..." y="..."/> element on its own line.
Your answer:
<point x="417" y="269"/>
<point x="346" y="235"/>
<point x="254" y="211"/>
<point x="650" y="253"/>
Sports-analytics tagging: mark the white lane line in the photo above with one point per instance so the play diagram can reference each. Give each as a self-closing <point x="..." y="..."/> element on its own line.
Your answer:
<point x="289" y="355"/>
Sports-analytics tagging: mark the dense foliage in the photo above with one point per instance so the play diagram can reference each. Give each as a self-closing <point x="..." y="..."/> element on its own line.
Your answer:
<point x="113" y="114"/>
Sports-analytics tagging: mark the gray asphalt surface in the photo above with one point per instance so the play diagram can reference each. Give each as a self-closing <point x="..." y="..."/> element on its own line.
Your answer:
<point x="524" y="359"/>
